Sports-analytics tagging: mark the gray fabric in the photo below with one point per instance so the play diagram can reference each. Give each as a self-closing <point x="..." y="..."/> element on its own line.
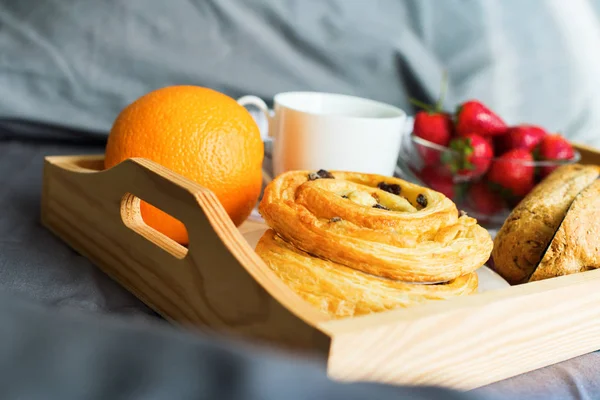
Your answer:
<point x="77" y="63"/>
<point x="572" y="379"/>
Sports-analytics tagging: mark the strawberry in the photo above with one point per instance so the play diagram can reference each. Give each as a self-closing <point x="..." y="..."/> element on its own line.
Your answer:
<point x="438" y="179"/>
<point x="472" y="156"/>
<point x="474" y="117"/>
<point x="435" y="127"/>
<point x="521" y="137"/>
<point x="554" y="147"/>
<point x="482" y="199"/>
<point x="513" y="172"/>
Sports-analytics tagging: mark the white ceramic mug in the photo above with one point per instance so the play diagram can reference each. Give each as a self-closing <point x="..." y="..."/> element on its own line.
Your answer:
<point x="314" y="130"/>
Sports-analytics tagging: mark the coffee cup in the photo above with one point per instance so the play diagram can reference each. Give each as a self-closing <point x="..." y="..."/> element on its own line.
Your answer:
<point x="315" y="130"/>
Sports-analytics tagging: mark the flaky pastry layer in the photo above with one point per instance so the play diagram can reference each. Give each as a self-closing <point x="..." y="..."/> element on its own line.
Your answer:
<point x="416" y="236"/>
<point x="340" y="291"/>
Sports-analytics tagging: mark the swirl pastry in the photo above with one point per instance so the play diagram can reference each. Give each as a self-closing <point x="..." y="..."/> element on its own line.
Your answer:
<point x="341" y="291"/>
<point x="379" y="225"/>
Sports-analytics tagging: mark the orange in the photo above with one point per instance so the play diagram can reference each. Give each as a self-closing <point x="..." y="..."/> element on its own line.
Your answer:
<point x="199" y="133"/>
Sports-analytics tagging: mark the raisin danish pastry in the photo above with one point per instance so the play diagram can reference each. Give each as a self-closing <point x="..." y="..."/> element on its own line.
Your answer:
<point x="379" y="225"/>
<point x="353" y="243"/>
<point x="343" y="292"/>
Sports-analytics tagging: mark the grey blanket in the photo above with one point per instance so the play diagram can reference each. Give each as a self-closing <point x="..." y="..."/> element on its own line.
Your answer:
<point x="77" y="62"/>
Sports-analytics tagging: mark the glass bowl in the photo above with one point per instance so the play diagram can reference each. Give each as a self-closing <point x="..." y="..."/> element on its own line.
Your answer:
<point x="426" y="164"/>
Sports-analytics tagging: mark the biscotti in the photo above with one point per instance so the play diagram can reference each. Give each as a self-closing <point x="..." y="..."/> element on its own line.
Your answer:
<point x="525" y="236"/>
<point x="576" y="244"/>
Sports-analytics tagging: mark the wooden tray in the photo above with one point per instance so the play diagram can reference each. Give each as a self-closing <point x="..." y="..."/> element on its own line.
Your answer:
<point x="219" y="283"/>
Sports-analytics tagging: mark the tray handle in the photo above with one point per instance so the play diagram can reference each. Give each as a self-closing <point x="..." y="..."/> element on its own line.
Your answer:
<point x="219" y="282"/>
<point x="173" y="195"/>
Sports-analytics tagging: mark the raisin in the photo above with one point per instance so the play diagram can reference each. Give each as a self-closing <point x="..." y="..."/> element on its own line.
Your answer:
<point x="390" y="188"/>
<point x="381" y="207"/>
<point x="325" y="174"/>
<point x="335" y="219"/>
<point x="422" y="200"/>
<point x="320" y="174"/>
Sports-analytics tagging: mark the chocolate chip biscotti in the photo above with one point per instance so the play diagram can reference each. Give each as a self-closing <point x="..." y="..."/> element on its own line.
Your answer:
<point x="526" y="235"/>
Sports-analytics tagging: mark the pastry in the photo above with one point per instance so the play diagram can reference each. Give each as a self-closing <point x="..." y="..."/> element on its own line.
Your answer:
<point x="550" y="228"/>
<point x="379" y="225"/>
<point x="340" y="291"/>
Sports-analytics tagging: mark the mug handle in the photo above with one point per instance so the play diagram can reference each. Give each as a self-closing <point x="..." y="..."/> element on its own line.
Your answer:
<point x="262" y="106"/>
<point x="267" y="137"/>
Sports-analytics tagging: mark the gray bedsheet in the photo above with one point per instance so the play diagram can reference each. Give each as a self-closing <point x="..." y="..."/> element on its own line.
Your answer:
<point x="78" y="62"/>
<point x="38" y="267"/>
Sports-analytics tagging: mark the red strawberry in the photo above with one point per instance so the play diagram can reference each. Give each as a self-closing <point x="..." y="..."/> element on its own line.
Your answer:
<point x="435" y="127"/>
<point x="521" y="137"/>
<point x="499" y="144"/>
<point x="554" y="147"/>
<point x="474" y="117"/>
<point x="513" y="171"/>
<point x="472" y="158"/>
<point x="438" y="179"/>
<point x="483" y="200"/>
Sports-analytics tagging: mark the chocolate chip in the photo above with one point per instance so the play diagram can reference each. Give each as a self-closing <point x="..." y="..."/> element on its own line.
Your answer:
<point x="320" y="174"/>
<point x="325" y="174"/>
<point x="390" y="188"/>
<point x="335" y="219"/>
<point x="422" y="200"/>
<point x="382" y="207"/>
<point x="345" y="197"/>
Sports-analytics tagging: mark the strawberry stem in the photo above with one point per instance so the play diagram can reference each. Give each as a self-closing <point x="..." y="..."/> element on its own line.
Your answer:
<point x="437" y="108"/>
<point x="422" y="105"/>
<point x="464" y="149"/>
<point x="443" y="89"/>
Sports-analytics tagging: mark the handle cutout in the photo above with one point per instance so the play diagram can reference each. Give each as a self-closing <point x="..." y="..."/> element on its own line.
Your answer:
<point x="131" y="214"/>
<point x="93" y="165"/>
